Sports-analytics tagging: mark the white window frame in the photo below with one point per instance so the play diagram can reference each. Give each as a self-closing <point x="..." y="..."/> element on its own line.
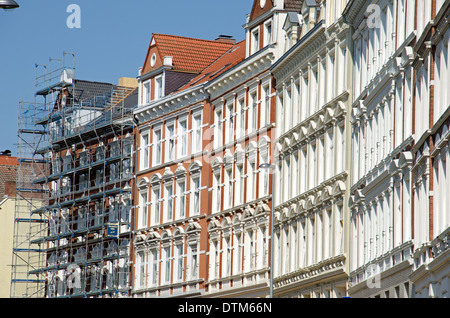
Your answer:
<point x="181" y="198"/>
<point x="197" y="131"/>
<point x="147" y="92"/>
<point x="218" y="126"/>
<point x="182" y="136"/>
<point x="268" y="37"/>
<point x="144" y="157"/>
<point x="158" y="145"/>
<point x="170" y="137"/>
<point x="156" y="204"/>
<point x="168" y="215"/>
<point x="159" y="90"/>
<point x="253" y="107"/>
<point x="255" y="40"/>
<point x="194" y="192"/>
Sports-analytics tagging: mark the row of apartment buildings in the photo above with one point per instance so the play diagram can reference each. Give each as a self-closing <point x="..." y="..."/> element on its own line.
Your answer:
<point x="345" y="99"/>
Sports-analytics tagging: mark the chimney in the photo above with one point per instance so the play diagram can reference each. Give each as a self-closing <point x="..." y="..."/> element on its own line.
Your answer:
<point x="226" y="39"/>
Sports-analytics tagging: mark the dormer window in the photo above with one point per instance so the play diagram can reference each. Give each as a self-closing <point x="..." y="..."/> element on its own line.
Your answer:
<point x="255" y="41"/>
<point x="147" y="96"/>
<point x="268" y="33"/>
<point x="159" y="87"/>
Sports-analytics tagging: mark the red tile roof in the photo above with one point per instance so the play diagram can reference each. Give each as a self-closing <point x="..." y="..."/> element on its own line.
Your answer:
<point x="190" y="55"/>
<point x="233" y="56"/>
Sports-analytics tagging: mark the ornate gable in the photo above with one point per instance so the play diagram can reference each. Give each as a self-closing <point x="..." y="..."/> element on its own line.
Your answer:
<point x="260" y="7"/>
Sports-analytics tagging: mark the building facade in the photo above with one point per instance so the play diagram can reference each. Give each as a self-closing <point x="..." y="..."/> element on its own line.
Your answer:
<point x="397" y="101"/>
<point x="313" y="155"/>
<point x="313" y="88"/>
<point x="430" y="180"/>
<point x="82" y="169"/>
<point x="173" y="172"/>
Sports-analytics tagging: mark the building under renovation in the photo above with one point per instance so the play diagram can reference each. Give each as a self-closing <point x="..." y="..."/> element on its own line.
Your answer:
<point x="77" y="141"/>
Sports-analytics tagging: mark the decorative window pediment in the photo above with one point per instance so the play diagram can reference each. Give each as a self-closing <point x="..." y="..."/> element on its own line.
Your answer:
<point x="181" y="171"/>
<point x="213" y="225"/>
<point x="143" y="183"/>
<point x="216" y="164"/>
<point x="155" y="179"/>
<point x="193" y="227"/>
<point x="178" y="233"/>
<point x="248" y="213"/>
<point x="339" y="187"/>
<point x="228" y="158"/>
<point x="195" y="166"/>
<point x="168" y="174"/>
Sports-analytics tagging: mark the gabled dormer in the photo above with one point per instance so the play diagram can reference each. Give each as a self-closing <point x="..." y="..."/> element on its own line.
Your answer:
<point x="259" y="26"/>
<point x="311" y="10"/>
<point x="264" y="25"/>
<point x="172" y="61"/>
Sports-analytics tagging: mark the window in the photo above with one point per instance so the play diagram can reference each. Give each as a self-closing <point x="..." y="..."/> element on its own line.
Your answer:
<point x="127" y="169"/>
<point x="143" y="212"/>
<point x="195" y="192"/>
<point x="265" y="173"/>
<point x="156" y="204"/>
<point x="213" y="259"/>
<point x="147" y="92"/>
<point x="197" y="132"/>
<point x="83" y="158"/>
<point x="65" y="185"/>
<point x="242" y="119"/>
<point x="265" y="109"/>
<point x="267" y="33"/>
<point x="251" y="179"/>
<point x="141" y="273"/>
<point x="230" y="126"/>
<point x="167" y="264"/>
<point x="100" y="153"/>
<point x="114" y="171"/>
<point x="179" y="262"/>
<point x="154" y="267"/>
<point x="159" y="87"/>
<point x="237" y="257"/>
<point x="255" y="41"/>
<point x="144" y="151"/>
<point x="83" y="182"/>
<point x="228" y="195"/>
<point x="114" y="149"/>
<point x="170" y="131"/>
<point x="219" y="129"/>
<point x="182" y="137"/>
<point x="67" y="163"/>
<point x="99" y="177"/>
<point x="181" y="196"/>
<point x="254" y="106"/>
<point x="216" y="190"/>
<point x="157" y="142"/>
<point x="239" y="188"/>
<point x="169" y="202"/>
<point x="249" y="251"/>
<point x="193" y="264"/>
<point x="226" y="259"/>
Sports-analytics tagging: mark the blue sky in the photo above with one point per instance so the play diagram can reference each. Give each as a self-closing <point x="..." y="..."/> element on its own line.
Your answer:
<point x="111" y="43"/>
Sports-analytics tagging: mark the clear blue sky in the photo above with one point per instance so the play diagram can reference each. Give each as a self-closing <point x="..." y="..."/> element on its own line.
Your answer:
<point x="111" y="43"/>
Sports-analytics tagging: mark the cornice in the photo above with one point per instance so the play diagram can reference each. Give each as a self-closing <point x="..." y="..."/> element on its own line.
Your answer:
<point x="309" y="43"/>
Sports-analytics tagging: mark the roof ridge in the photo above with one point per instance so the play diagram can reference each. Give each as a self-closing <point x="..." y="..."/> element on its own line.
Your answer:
<point x="191" y="38"/>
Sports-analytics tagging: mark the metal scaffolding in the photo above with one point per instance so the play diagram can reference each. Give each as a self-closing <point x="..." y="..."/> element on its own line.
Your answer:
<point x="79" y="217"/>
